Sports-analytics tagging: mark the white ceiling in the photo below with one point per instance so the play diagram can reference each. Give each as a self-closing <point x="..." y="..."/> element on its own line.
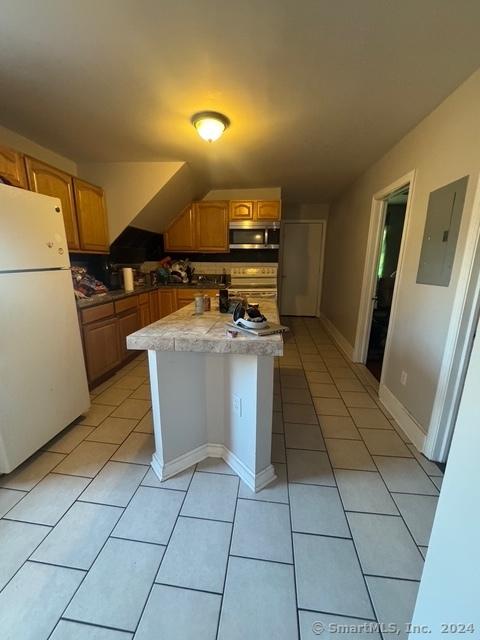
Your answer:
<point x="316" y="90"/>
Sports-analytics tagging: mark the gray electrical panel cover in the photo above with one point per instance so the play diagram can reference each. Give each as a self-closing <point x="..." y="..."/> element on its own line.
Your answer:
<point x="444" y="214"/>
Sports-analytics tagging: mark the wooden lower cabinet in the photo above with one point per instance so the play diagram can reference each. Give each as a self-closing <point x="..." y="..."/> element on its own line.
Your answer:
<point x="187" y="296"/>
<point x="127" y="324"/>
<point x="154" y="306"/>
<point x="167" y="302"/>
<point x="105" y="327"/>
<point x="102" y="348"/>
<point x="144" y="311"/>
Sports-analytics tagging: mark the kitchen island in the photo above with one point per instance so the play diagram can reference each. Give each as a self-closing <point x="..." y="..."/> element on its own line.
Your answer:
<point x="212" y="395"/>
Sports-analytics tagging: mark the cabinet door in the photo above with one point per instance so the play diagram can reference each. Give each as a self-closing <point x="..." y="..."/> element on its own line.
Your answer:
<point x="154" y="306"/>
<point x="211" y="222"/>
<point x="91" y="216"/>
<point x="12" y="168"/>
<point x="102" y="349"/>
<point x="144" y="314"/>
<point x="51" y="182"/>
<point x="241" y="209"/>
<point x="268" y="210"/>
<point x="185" y="296"/>
<point x="167" y="302"/>
<point x="127" y="324"/>
<point x="180" y="235"/>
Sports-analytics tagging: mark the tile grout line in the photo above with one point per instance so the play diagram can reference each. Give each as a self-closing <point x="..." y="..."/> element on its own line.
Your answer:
<point x="94" y="561"/>
<point x="294" y="571"/>
<point x="220" y="609"/>
<point x="378" y="471"/>
<point x="352" y="538"/>
<point x="163" y="556"/>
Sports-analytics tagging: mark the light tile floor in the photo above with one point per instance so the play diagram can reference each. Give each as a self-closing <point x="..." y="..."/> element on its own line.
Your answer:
<point x="93" y="546"/>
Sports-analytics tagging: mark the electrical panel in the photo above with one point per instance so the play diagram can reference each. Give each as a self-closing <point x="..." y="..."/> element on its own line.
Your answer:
<point x="444" y="215"/>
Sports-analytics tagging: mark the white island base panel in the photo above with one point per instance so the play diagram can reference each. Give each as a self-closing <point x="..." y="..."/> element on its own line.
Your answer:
<point x="212" y="405"/>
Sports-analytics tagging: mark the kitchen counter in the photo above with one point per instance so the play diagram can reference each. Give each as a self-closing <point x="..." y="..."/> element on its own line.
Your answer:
<point x="212" y="395"/>
<point x="186" y="331"/>
<point x="102" y="298"/>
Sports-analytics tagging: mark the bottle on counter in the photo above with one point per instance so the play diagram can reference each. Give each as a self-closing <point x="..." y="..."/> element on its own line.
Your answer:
<point x="223" y="300"/>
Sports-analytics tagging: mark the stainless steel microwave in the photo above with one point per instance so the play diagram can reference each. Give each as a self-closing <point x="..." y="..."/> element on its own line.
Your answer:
<point x="254" y="235"/>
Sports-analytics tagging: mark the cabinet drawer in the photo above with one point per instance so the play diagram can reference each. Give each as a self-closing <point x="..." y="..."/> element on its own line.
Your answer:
<point x="126" y="303"/>
<point x="97" y="313"/>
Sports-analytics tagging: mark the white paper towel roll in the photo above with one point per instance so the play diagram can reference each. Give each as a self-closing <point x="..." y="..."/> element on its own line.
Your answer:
<point x="127" y="279"/>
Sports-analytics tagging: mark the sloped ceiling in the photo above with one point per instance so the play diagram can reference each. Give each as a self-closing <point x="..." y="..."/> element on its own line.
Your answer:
<point x="176" y="193"/>
<point x="130" y="187"/>
<point x="316" y="90"/>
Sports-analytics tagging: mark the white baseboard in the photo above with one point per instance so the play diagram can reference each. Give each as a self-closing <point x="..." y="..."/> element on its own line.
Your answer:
<point x="406" y="422"/>
<point x="254" y="481"/>
<point x="341" y="341"/>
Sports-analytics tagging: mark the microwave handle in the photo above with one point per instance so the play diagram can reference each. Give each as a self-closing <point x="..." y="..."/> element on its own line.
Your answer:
<point x="266" y="235"/>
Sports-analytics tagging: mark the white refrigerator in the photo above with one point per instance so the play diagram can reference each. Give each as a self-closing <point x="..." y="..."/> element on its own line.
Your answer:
<point x="43" y="384"/>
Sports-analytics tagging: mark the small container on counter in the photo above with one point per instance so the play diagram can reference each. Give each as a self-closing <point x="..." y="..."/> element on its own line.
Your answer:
<point x="199" y="304"/>
<point x="207" y="304"/>
<point x="223" y="300"/>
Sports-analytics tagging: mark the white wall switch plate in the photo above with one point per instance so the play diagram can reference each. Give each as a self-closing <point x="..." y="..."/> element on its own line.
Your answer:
<point x="403" y="378"/>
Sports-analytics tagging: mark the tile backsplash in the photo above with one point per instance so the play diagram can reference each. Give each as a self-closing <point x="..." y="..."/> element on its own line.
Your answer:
<point x="211" y="267"/>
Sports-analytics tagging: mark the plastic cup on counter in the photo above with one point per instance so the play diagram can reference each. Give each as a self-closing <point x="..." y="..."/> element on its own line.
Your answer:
<point x="199" y="304"/>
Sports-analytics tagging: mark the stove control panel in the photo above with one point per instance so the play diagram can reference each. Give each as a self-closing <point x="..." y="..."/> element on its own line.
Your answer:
<point x="254" y="272"/>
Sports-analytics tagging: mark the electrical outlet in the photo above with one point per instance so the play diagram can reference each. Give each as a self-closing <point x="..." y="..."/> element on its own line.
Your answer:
<point x="403" y="378"/>
<point x="237" y="405"/>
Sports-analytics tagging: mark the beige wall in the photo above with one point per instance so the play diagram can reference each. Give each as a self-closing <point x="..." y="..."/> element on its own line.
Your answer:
<point x="443" y="147"/>
<point x="305" y="211"/>
<point x="266" y="193"/>
<point x="24" y="145"/>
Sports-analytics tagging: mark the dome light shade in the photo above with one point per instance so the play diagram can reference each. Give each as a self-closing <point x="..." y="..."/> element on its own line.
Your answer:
<point x="210" y="125"/>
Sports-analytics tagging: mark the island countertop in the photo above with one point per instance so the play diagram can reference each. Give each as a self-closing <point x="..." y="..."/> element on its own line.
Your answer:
<point x="184" y="330"/>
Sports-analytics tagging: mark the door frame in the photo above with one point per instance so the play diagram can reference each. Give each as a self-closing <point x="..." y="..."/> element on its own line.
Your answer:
<point x="369" y="282"/>
<point x="323" y="224"/>
<point x="458" y="344"/>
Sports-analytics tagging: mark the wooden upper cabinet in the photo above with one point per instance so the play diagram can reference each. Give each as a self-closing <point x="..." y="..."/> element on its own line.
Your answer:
<point x="91" y="216"/>
<point x="45" y="179"/>
<point x="241" y="209"/>
<point x="180" y="235"/>
<point x="211" y="221"/>
<point x="268" y="210"/>
<point x="12" y="168"/>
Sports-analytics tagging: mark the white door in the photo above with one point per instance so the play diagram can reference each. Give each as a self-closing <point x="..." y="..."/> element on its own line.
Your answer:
<point x="32" y="233"/>
<point x="302" y="260"/>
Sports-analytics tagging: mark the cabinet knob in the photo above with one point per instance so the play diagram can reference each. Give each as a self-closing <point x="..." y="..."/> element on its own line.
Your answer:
<point x="57" y="209"/>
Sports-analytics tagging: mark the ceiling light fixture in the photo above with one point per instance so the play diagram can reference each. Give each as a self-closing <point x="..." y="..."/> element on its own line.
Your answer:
<point x="210" y="125"/>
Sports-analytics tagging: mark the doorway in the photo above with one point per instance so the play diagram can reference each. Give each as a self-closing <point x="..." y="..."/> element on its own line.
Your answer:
<point x="384" y="259"/>
<point x="301" y="265"/>
<point x="386" y="272"/>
